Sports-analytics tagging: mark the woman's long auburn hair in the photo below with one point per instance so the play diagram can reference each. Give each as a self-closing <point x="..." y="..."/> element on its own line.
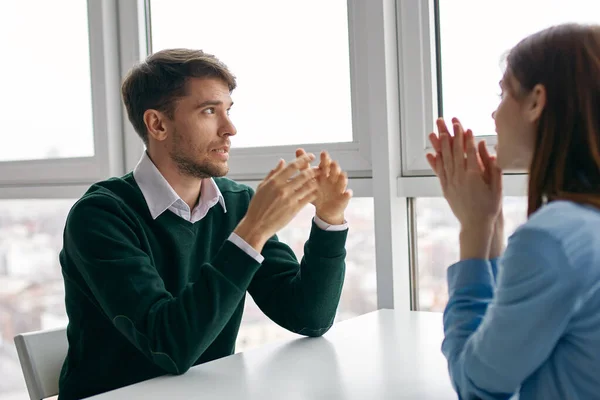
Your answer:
<point x="565" y="59"/>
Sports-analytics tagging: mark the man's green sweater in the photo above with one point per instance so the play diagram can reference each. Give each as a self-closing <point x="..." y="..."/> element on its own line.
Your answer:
<point x="147" y="297"/>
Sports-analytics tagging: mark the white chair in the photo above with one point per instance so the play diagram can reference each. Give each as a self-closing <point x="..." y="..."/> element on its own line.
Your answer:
<point x="42" y="354"/>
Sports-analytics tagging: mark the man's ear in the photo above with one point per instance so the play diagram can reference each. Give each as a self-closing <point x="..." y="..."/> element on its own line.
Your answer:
<point x="156" y="125"/>
<point x="536" y="103"/>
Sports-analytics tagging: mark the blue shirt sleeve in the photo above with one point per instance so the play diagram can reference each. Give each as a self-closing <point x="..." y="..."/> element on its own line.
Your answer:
<point x="494" y="266"/>
<point x="497" y="335"/>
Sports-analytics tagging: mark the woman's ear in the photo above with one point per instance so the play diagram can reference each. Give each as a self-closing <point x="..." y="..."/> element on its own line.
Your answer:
<point x="536" y="102"/>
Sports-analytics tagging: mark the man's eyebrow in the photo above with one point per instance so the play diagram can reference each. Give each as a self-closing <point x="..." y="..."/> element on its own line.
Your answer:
<point x="211" y="103"/>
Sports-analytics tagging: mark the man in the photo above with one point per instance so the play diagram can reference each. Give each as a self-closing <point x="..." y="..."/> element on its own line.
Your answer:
<point x="157" y="263"/>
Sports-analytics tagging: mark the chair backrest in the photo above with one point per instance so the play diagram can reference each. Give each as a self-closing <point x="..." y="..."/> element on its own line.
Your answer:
<point x="42" y="355"/>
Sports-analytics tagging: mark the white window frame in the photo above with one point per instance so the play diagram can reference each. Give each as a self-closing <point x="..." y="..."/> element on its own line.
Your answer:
<point x="419" y="89"/>
<point x="418" y="108"/>
<point x="106" y="111"/>
<point x="419" y="103"/>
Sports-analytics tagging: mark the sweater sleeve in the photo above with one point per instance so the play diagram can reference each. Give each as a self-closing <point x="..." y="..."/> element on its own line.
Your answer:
<point x="302" y="297"/>
<point x="495" y="339"/>
<point x="101" y="240"/>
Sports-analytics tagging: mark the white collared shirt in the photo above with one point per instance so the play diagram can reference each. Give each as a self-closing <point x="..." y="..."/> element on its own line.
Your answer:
<point x="160" y="197"/>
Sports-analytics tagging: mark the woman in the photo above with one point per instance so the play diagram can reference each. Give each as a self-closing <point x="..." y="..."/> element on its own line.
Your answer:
<point x="534" y="327"/>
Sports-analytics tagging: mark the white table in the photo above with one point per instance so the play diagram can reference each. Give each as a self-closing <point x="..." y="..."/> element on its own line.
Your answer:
<point x="385" y="354"/>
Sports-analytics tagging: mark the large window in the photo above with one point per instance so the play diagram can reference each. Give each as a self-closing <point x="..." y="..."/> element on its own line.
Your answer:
<point x="302" y="71"/>
<point x="31" y="285"/>
<point x="62" y="121"/>
<point x="359" y="295"/>
<point x="45" y="80"/>
<point x="453" y="67"/>
<point x="437" y="244"/>
<point x="472" y="53"/>
<point x="469" y="60"/>
<point x="291" y="60"/>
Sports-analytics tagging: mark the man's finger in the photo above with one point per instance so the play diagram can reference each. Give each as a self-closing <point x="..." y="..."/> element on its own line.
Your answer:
<point x="300" y="152"/>
<point x="342" y="183"/>
<point x="325" y="164"/>
<point x="305" y="176"/>
<point x="278" y="167"/>
<point x="299" y="164"/>
<point x="334" y="172"/>
<point x="305" y="189"/>
<point x="309" y="198"/>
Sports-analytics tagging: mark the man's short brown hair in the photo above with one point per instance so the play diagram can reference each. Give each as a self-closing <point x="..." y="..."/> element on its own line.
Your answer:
<point x="159" y="81"/>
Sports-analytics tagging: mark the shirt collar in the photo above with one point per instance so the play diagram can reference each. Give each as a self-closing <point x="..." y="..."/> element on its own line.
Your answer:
<point x="159" y="194"/>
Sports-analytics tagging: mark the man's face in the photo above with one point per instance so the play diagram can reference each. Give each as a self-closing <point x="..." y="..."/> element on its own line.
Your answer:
<point x="200" y="129"/>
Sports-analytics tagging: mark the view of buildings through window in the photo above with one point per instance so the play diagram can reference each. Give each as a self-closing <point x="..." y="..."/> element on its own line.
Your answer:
<point x="437" y="244"/>
<point x="32" y="290"/>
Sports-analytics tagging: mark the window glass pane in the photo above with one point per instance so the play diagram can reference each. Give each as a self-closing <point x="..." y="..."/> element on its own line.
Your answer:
<point x="359" y="295"/>
<point x="291" y="60"/>
<point x="32" y="291"/>
<point x="45" y="80"/>
<point x="31" y="285"/>
<point x="437" y="244"/>
<point x="475" y="35"/>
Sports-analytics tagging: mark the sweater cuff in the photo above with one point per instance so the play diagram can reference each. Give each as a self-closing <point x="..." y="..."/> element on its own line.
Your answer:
<point x="235" y="264"/>
<point x="328" y="244"/>
<point x="469" y="272"/>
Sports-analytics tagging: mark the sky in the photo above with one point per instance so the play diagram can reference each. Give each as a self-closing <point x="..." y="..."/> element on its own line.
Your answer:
<point x="293" y="70"/>
<point x="476" y="35"/>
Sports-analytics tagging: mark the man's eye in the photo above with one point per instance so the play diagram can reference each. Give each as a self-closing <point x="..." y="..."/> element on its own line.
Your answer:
<point x="209" y="110"/>
<point x="229" y="111"/>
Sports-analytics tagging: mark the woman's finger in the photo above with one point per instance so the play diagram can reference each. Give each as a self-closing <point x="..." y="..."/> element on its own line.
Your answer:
<point x="431" y="161"/>
<point x="441" y="125"/>
<point x="471" y="151"/>
<point x="496" y="177"/>
<point x="486" y="161"/>
<point x="435" y="142"/>
<point x="458" y="148"/>
<point x="447" y="158"/>
<point x="436" y="163"/>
